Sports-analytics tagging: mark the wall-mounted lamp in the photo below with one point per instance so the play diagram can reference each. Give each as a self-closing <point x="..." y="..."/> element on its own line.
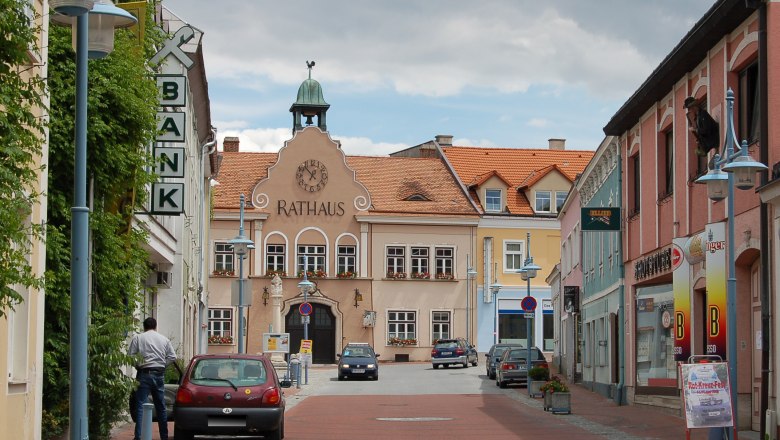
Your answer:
<point x="265" y="296"/>
<point x="358" y="297"/>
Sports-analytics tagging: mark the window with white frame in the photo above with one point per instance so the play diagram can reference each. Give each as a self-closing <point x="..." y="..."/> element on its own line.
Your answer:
<point x="311" y="257"/>
<point x="420" y="261"/>
<point x="395" y="259"/>
<point x="224" y="257"/>
<point x="493" y="200"/>
<point x="513" y="256"/>
<point x="441" y="325"/>
<point x="445" y="262"/>
<point x="543" y="201"/>
<point x="345" y="260"/>
<point x="401" y="325"/>
<point x="220" y="323"/>
<point x="274" y="258"/>
<point x="560" y="198"/>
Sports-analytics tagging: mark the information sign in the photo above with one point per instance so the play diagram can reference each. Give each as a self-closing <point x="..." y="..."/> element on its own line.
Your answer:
<point x="276" y="342"/>
<point x="306" y="346"/>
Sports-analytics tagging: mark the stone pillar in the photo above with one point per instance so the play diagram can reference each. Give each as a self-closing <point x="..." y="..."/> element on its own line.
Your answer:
<point x="276" y="318"/>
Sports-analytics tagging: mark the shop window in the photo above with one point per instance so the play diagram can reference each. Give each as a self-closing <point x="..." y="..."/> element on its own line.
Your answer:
<point x="224" y="257"/>
<point x="655" y="365"/>
<point x="493" y="200"/>
<point x="441" y="325"/>
<point x="274" y="258"/>
<point x="749" y="105"/>
<point x="548" y="328"/>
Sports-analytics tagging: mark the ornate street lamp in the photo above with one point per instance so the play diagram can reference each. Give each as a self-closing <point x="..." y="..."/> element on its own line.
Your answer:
<point x="241" y="246"/>
<point x="527" y="272"/>
<point x="741" y="167"/>
<point x="305" y="287"/>
<point x="79" y="257"/>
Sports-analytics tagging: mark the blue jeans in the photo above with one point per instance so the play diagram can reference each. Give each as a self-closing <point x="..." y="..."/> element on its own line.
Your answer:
<point x="153" y="383"/>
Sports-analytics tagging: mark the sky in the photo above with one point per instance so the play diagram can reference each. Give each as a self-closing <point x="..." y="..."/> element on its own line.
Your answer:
<point x="491" y="73"/>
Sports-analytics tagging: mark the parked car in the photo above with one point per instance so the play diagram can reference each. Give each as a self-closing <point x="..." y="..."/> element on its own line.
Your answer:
<point x="173" y="376"/>
<point x="513" y="366"/>
<point x="358" y="359"/>
<point x="454" y="351"/>
<point x="230" y="394"/>
<point x="494" y="355"/>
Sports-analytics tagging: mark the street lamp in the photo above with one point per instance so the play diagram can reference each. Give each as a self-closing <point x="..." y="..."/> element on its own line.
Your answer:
<point x="68" y="11"/>
<point x="494" y="289"/>
<point x="241" y="246"/>
<point x="741" y="167"/>
<point x="527" y="272"/>
<point x="305" y="286"/>
<point x="470" y="274"/>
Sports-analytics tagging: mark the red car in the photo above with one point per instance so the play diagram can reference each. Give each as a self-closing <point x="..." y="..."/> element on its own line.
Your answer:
<point x="230" y="394"/>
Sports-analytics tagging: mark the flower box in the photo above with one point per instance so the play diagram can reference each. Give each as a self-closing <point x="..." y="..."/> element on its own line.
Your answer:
<point x="421" y="275"/>
<point x="445" y="276"/>
<point x="535" y="388"/>
<point x="224" y="273"/>
<point x="220" y="340"/>
<point x="319" y="273"/>
<point x="401" y="342"/>
<point x="560" y="402"/>
<point x="346" y="275"/>
<point x="396" y="275"/>
<point x="271" y="273"/>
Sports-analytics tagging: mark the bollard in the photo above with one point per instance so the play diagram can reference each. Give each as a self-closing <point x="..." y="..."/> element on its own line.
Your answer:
<point x="146" y="422"/>
<point x="295" y="365"/>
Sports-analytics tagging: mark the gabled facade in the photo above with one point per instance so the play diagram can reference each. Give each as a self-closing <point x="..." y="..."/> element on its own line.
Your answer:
<point x="518" y="192"/>
<point x="384" y="239"/>
<point x="675" y="307"/>
<point x="21" y="330"/>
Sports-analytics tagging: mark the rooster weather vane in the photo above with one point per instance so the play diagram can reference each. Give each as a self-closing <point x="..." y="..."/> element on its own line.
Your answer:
<point x="309" y="65"/>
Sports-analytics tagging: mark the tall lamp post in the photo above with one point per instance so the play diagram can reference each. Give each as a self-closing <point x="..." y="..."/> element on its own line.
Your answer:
<point x="241" y="246"/>
<point x="527" y="272"/>
<point x="305" y="286"/>
<point x="102" y="18"/>
<point x="731" y="169"/>
<point x="494" y="289"/>
<point x="470" y="274"/>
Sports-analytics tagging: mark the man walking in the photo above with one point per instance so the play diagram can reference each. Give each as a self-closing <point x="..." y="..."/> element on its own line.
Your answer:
<point x="156" y="352"/>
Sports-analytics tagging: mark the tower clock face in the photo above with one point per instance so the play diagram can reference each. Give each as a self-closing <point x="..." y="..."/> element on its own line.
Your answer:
<point x="312" y="175"/>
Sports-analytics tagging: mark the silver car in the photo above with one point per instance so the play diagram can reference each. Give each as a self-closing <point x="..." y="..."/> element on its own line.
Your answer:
<point x="513" y="366"/>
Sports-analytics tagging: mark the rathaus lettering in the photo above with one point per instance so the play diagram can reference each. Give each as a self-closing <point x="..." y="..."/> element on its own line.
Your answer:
<point x="302" y="207"/>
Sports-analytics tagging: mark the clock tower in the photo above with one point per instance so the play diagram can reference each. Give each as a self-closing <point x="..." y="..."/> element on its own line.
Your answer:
<point x="309" y="104"/>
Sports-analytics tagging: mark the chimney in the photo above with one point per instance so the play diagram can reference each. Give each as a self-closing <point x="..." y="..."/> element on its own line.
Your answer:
<point x="557" y="144"/>
<point x="445" y="140"/>
<point x="230" y="144"/>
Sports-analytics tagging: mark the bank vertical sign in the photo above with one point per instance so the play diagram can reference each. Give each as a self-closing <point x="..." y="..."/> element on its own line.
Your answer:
<point x="168" y="197"/>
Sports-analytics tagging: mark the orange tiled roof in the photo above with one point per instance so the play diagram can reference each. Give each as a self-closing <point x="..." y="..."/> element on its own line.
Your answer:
<point x="519" y="167"/>
<point x="389" y="180"/>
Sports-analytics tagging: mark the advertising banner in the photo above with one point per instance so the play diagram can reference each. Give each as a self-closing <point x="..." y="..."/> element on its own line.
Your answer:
<point x="681" y="288"/>
<point x="707" y="395"/>
<point x="276" y="342"/>
<point x="715" y="257"/>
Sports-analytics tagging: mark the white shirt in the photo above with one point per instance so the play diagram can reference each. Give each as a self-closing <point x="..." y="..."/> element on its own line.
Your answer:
<point x="156" y="349"/>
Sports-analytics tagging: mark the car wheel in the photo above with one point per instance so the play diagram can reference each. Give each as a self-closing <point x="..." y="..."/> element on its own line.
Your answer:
<point x="435" y="366"/>
<point x="180" y="434"/>
<point x="340" y="377"/>
<point x="446" y="365"/>
<point x="502" y="384"/>
<point x="476" y="361"/>
<point x="375" y="377"/>
<point x="273" y="435"/>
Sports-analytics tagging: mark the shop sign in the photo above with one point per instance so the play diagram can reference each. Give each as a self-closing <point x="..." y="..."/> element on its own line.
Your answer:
<point x="653" y="264"/>
<point x="600" y="219"/>
<point x="173" y="90"/>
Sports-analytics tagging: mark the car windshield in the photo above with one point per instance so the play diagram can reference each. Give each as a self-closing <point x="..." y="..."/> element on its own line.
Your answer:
<point x="498" y="351"/>
<point x="522" y="354"/>
<point x="357" y="352"/>
<point x="236" y="372"/>
<point x="447" y="345"/>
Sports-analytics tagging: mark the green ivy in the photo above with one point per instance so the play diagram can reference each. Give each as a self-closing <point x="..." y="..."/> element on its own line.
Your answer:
<point x="22" y="134"/>
<point x="121" y="121"/>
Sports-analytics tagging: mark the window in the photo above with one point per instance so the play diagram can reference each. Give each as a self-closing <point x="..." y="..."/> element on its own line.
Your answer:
<point x="560" y="198"/>
<point x="513" y="256"/>
<point x="493" y="200"/>
<point x="445" y="258"/>
<point x="274" y="258"/>
<point x="749" y="105"/>
<point x="395" y="259"/>
<point x="401" y="325"/>
<point x="548" y="325"/>
<point x="346" y="259"/>
<point x="441" y="325"/>
<point x="667" y="161"/>
<point x="634" y="169"/>
<point x="543" y="201"/>
<point x="420" y="260"/>
<point x="220" y="323"/>
<point x="223" y="257"/>
<point x="312" y="257"/>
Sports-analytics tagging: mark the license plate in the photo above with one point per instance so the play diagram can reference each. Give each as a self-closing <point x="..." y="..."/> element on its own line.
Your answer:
<point x="358" y="370"/>
<point x="446" y="353"/>
<point x="714" y="413"/>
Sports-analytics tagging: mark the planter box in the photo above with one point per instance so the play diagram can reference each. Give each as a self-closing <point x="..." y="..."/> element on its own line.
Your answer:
<point x="534" y="388"/>
<point x="560" y="402"/>
<point x="547" y="401"/>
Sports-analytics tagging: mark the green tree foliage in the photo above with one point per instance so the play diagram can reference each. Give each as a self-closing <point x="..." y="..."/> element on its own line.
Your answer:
<point x="121" y="124"/>
<point x="21" y="135"/>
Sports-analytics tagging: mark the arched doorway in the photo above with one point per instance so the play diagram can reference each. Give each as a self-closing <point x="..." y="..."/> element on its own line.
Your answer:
<point x="322" y="332"/>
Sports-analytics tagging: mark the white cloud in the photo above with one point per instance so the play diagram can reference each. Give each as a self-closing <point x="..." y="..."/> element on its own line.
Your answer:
<point x="538" y="122"/>
<point x="272" y="140"/>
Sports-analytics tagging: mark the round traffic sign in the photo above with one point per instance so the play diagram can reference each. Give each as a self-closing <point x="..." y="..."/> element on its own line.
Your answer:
<point x="528" y="304"/>
<point x="305" y="309"/>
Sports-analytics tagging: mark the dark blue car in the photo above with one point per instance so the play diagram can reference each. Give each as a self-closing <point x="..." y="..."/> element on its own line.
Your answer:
<point x="358" y="359"/>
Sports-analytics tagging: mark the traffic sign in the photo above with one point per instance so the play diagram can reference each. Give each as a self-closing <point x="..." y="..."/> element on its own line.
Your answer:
<point x="305" y="309"/>
<point x="528" y="304"/>
<point x="528" y="315"/>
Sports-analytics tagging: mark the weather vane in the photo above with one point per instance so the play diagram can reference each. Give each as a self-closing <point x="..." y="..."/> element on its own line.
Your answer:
<point x="309" y="65"/>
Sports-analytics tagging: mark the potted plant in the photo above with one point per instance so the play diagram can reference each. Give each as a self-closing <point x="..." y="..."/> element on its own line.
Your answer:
<point x="401" y="342"/>
<point x="537" y="377"/>
<point x="421" y="275"/>
<point x="346" y="274"/>
<point x="557" y="397"/>
<point x="445" y="276"/>
<point x="396" y="275"/>
<point x="217" y="339"/>
<point x="270" y="273"/>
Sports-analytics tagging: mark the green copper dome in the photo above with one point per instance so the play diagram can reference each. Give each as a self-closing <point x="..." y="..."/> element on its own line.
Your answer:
<point x="310" y="93"/>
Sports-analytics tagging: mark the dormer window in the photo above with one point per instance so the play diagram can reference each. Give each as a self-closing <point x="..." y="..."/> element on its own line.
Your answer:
<point x="543" y="201"/>
<point x="560" y="198"/>
<point x="417" y="198"/>
<point x="493" y="200"/>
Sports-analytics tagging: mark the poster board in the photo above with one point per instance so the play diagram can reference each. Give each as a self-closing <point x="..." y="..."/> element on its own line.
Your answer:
<point x="276" y="342"/>
<point x="707" y="395"/>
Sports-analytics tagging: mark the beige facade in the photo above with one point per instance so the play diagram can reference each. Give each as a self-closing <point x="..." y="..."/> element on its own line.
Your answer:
<point x="21" y="331"/>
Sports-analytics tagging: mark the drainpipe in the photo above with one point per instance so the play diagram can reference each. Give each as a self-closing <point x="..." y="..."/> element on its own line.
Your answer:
<point x="621" y="299"/>
<point x="205" y="150"/>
